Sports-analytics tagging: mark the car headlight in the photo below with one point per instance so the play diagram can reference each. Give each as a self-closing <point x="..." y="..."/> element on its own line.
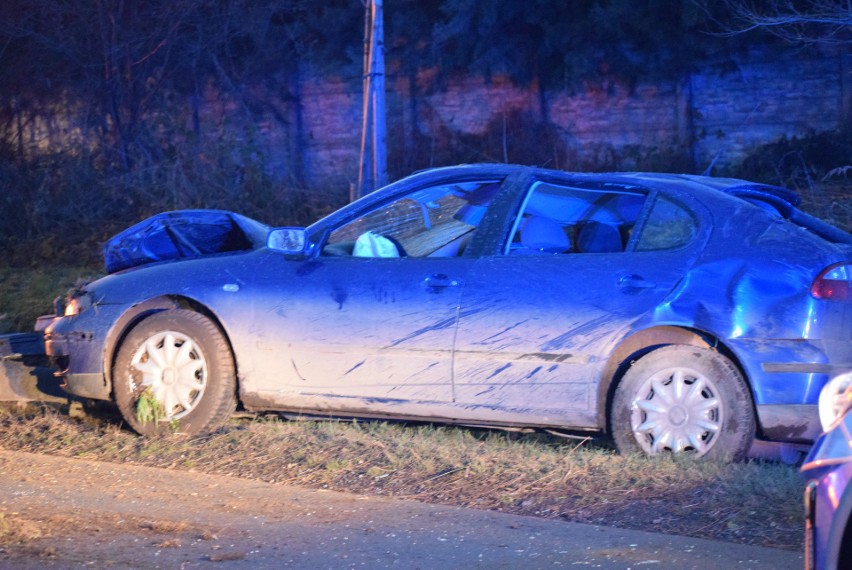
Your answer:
<point x="77" y="303"/>
<point x="835" y="399"/>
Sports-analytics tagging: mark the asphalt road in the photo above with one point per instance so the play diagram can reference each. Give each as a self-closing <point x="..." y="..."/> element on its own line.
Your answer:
<point x="93" y="514"/>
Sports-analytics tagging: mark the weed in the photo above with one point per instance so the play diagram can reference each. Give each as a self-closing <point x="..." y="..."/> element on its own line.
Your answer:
<point x="337" y="465"/>
<point x="376" y="472"/>
<point x="148" y="407"/>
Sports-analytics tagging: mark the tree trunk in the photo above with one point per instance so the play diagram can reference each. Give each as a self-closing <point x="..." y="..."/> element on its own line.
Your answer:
<point x="846" y="88"/>
<point x="685" y="125"/>
<point x="299" y="145"/>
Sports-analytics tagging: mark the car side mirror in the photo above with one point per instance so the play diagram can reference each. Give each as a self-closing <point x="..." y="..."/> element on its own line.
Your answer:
<point x="290" y="241"/>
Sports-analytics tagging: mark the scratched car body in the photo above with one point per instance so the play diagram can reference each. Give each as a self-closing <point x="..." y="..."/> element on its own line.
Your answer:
<point x="675" y="312"/>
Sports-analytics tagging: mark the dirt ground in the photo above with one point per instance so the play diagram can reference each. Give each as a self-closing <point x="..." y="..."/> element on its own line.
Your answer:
<point x="62" y="513"/>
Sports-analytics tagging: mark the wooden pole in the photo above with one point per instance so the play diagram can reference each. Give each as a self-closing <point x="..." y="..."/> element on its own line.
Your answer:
<point x="380" y="163"/>
<point x="372" y="172"/>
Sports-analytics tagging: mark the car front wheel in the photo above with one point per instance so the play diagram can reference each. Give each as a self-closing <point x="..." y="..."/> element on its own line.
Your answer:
<point x="175" y="373"/>
<point x="683" y="399"/>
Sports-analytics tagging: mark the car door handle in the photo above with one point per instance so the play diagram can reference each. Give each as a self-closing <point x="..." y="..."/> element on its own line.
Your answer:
<point x="441" y="280"/>
<point x="635" y="283"/>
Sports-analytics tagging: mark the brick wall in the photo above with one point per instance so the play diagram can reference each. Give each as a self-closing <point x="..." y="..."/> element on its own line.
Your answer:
<point x="763" y="101"/>
<point x="711" y="116"/>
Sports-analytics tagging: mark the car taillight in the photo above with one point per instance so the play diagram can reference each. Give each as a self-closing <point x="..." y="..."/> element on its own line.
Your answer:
<point x="834" y="283"/>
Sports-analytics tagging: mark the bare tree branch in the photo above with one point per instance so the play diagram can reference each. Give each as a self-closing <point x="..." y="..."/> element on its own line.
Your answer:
<point x="800" y="21"/>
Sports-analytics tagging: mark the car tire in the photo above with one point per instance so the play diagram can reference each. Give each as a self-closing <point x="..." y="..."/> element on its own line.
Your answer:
<point x="682" y="398"/>
<point x="175" y="372"/>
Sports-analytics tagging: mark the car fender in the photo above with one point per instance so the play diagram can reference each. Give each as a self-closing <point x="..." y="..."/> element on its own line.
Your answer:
<point x="138" y="312"/>
<point x="633" y="347"/>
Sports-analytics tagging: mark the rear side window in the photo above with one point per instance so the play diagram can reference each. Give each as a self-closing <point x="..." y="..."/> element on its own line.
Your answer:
<point x="558" y="219"/>
<point x="669" y="226"/>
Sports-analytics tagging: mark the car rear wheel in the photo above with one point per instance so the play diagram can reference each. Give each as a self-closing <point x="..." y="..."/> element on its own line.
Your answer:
<point x="175" y="373"/>
<point x="683" y="399"/>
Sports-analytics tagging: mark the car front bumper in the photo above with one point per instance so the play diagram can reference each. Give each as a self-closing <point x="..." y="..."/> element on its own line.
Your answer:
<point x="77" y="347"/>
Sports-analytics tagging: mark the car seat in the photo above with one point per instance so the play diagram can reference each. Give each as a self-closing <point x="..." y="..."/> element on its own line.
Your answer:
<point x="540" y="234"/>
<point x="597" y="237"/>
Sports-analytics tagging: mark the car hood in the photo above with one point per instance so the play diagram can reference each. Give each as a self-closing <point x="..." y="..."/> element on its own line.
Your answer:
<point x="183" y="234"/>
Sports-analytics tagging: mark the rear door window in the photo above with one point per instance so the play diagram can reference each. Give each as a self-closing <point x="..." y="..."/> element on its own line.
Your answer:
<point x="560" y="219"/>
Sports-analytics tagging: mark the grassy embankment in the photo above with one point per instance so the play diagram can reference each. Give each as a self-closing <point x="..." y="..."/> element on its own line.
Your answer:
<point x="533" y="474"/>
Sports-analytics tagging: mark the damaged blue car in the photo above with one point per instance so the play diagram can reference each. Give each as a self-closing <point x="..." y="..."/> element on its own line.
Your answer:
<point x="676" y="313"/>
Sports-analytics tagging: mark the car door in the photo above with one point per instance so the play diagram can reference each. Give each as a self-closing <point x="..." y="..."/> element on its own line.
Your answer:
<point x="540" y="319"/>
<point x="367" y="325"/>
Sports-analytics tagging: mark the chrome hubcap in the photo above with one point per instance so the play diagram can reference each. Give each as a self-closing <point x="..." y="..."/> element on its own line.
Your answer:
<point x="173" y="366"/>
<point x="676" y="410"/>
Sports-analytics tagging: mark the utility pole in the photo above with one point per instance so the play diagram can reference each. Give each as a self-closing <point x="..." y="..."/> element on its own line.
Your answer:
<point x="373" y="159"/>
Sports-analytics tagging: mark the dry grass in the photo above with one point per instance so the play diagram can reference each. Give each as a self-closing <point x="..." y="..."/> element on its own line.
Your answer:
<point x="17" y="529"/>
<point x="533" y="474"/>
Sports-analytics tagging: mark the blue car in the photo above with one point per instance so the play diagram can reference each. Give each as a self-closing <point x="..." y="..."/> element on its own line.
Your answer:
<point x="677" y="313"/>
<point x="828" y="494"/>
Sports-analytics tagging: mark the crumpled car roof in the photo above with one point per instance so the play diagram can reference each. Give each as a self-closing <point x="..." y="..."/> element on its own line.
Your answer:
<point x="182" y="234"/>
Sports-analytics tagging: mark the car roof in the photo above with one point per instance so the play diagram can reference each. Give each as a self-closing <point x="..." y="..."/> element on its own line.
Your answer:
<point x="783" y="201"/>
